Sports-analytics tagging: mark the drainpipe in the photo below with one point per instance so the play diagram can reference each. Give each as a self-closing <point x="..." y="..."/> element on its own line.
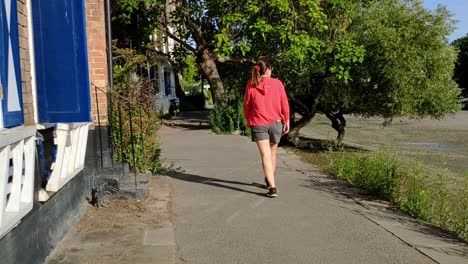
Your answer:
<point x="110" y="74"/>
<point x="109" y="43"/>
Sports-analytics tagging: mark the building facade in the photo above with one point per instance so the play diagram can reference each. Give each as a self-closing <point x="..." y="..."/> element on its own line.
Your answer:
<point x="54" y="77"/>
<point x="162" y="72"/>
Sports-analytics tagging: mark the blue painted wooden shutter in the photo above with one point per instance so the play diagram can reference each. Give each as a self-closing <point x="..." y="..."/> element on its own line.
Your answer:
<point x="10" y="70"/>
<point x="61" y="54"/>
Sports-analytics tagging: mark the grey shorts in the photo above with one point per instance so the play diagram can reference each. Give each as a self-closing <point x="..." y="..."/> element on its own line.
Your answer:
<point x="272" y="131"/>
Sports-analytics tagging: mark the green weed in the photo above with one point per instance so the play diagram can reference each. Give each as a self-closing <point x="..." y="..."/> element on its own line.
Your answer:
<point x="413" y="196"/>
<point x="375" y="173"/>
<point x="224" y="119"/>
<point x="435" y="196"/>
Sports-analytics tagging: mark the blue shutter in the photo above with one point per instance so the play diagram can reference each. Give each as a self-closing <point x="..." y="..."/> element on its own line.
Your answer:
<point x="10" y="70"/>
<point x="61" y="54"/>
<point x="3" y="41"/>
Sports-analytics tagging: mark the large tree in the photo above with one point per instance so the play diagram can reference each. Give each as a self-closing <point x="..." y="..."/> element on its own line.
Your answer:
<point x="408" y="65"/>
<point x="367" y="57"/>
<point x="461" y="67"/>
<point x="208" y="30"/>
<point x="389" y="58"/>
<point x="301" y="35"/>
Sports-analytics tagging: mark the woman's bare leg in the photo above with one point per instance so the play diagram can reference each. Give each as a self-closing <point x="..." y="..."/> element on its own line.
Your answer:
<point x="265" y="153"/>
<point x="273" y="148"/>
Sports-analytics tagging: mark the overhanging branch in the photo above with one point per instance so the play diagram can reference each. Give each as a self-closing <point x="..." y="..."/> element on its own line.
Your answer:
<point x="177" y="39"/>
<point x="224" y="59"/>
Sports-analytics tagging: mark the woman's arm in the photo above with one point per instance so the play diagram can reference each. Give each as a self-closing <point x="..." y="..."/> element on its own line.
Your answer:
<point x="247" y="104"/>
<point x="284" y="108"/>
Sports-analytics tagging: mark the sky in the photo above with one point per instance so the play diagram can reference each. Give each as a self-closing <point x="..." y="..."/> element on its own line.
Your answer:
<point x="460" y="10"/>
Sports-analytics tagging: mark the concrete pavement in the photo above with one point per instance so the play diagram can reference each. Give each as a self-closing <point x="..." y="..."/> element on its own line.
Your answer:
<point x="212" y="209"/>
<point x="222" y="216"/>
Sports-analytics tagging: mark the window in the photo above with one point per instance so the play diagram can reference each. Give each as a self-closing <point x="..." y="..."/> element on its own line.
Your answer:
<point x="154" y="78"/>
<point x="167" y="82"/>
<point x="10" y="71"/>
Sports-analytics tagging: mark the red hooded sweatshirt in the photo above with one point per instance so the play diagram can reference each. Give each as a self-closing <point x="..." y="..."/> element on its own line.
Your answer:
<point x="266" y="103"/>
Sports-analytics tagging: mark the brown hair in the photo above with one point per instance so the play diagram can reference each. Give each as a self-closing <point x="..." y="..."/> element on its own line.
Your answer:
<point x="259" y="70"/>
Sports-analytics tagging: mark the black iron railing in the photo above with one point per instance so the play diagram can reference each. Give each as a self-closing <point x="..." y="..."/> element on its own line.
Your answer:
<point x="118" y="107"/>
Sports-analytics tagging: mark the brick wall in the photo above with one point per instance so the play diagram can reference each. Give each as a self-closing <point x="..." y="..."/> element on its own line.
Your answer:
<point x="98" y="73"/>
<point x="25" y="62"/>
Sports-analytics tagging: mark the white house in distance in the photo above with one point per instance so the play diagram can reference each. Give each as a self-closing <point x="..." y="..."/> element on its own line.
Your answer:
<point x="161" y="72"/>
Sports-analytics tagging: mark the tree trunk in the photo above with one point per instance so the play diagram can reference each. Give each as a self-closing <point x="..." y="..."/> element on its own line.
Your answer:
<point x="210" y="70"/>
<point x="293" y="136"/>
<point x="338" y="123"/>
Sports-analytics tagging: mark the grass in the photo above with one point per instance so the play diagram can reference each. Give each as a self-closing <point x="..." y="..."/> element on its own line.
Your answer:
<point x="375" y="173"/>
<point x="435" y="196"/>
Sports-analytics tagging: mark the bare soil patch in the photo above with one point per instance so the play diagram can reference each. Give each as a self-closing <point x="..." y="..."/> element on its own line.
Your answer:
<point x="114" y="233"/>
<point x="121" y="212"/>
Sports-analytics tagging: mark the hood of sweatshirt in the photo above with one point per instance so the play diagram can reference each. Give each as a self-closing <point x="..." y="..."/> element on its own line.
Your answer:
<point x="261" y="86"/>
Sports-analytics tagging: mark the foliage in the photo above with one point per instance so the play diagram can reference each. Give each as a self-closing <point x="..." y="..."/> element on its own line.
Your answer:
<point x="461" y="67"/>
<point x="376" y="173"/>
<point x="414" y="197"/>
<point x="388" y="58"/>
<point x="134" y="116"/>
<point x="234" y="78"/>
<point x="222" y="119"/>
<point x="146" y="147"/>
<point x="189" y="71"/>
<point x="408" y="67"/>
<point x="437" y="197"/>
<point x="244" y="129"/>
<point x="312" y="46"/>
<point x="133" y="22"/>
<point x="208" y="96"/>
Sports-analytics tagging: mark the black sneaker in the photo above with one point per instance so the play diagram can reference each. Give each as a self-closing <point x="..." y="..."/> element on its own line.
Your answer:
<point x="272" y="192"/>
<point x="267" y="184"/>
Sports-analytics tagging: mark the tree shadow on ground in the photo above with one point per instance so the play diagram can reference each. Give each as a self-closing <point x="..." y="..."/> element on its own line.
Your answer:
<point x="375" y="209"/>
<point x="320" y="145"/>
<point x="191" y="125"/>
<point x="215" y="182"/>
<point x="191" y="120"/>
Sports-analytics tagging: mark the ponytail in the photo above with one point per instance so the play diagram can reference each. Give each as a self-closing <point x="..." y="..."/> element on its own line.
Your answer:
<point x="259" y="70"/>
<point x="256" y="76"/>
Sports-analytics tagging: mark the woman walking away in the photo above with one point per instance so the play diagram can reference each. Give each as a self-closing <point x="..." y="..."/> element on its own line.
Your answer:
<point x="266" y="110"/>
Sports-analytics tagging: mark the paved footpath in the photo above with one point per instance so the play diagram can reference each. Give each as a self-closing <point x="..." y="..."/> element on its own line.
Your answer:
<point x="221" y="214"/>
<point x="213" y="210"/>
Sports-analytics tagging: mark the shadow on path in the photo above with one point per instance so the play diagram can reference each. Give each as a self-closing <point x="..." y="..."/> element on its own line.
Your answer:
<point x="216" y="182"/>
<point x="194" y="125"/>
<point x="192" y="120"/>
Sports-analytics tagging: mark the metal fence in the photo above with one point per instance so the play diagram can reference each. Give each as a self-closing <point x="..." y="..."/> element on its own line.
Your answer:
<point x="132" y="111"/>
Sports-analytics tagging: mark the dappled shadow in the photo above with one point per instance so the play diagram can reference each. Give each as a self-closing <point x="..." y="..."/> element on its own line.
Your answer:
<point x="215" y="182"/>
<point x="194" y="115"/>
<point x="378" y="210"/>
<point x="320" y="145"/>
<point x="191" y="120"/>
<point x="194" y="125"/>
